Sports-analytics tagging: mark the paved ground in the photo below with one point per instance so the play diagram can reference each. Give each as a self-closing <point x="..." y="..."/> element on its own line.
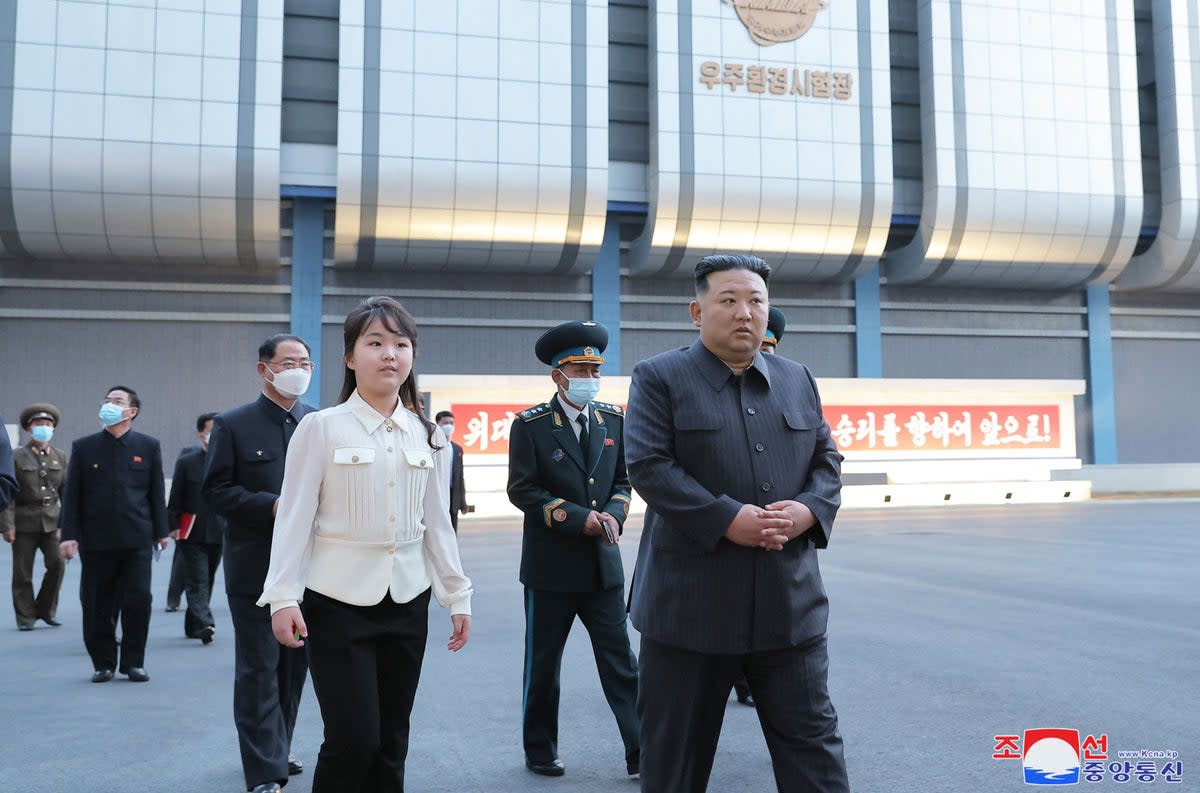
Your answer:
<point x="948" y="626"/>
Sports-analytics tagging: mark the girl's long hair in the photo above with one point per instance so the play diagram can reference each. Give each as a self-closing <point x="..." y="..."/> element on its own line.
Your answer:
<point x="393" y="316"/>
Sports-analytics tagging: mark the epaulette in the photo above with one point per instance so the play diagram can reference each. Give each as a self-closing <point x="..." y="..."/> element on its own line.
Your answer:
<point x="607" y="408"/>
<point x="535" y="412"/>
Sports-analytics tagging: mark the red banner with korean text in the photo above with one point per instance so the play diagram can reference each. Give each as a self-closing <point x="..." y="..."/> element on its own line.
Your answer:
<point x="934" y="428"/>
<point x="484" y="428"/>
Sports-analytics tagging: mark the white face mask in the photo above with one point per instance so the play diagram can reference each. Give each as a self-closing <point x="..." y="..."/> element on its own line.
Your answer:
<point x="582" y="390"/>
<point x="291" y="383"/>
<point x="448" y="429"/>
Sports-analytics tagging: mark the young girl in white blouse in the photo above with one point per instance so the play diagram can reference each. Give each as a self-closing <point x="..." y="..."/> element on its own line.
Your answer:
<point x="362" y="536"/>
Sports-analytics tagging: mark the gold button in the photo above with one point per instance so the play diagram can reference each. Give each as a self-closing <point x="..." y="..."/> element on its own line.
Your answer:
<point x="354" y="459"/>
<point x="389" y="426"/>
<point x="423" y="463"/>
<point x="391" y="484"/>
<point x="389" y="450"/>
<point x="593" y="502"/>
<point x="391" y="518"/>
<point x="591" y="481"/>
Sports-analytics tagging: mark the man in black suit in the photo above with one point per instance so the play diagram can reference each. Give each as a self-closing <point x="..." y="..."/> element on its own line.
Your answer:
<point x="200" y="550"/>
<point x="242" y="480"/>
<point x="730" y="450"/>
<point x="776" y="323"/>
<point x="8" y="472"/>
<point x="458" y="487"/>
<point x="566" y="472"/>
<point x="113" y="514"/>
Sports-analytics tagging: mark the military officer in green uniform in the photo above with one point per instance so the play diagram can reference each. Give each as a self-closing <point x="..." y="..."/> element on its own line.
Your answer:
<point x="31" y="522"/>
<point x="566" y="472"/>
<point x="776" y="323"/>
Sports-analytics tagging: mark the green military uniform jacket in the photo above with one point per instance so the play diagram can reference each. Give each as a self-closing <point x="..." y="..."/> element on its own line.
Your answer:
<point x="40" y="475"/>
<point x="556" y="484"/>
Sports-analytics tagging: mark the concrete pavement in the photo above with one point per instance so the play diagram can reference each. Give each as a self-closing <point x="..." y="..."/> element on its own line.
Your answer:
<point x="948" y="626"/>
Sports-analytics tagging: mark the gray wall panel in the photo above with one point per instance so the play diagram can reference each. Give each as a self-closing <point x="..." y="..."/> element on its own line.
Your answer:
<point x="827" y="355"/>
<point x="179" y="369"/>
<point x="1010" y="195"/>
<point x="308" y="37"/>
<point x="983" y="357"/>
<point x="788" y="167"/>
<point x="1156" y="400"/>
<point x="1173" y="46"/>
<point x="974" y="357"/>
<point x="116" y="104"/>
<point x="472" y="142"/>
<point x="309" y="122"/>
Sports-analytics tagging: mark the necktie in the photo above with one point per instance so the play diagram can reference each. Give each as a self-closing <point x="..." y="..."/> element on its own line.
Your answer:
<point x="582" y="421"/>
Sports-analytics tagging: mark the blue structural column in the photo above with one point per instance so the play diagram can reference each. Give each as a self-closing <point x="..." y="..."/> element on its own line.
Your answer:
<point x="868" y="325"/>
<point x="308" y="257"/>
<point x="606" y="293"/>
<point x="1101" y="383"/>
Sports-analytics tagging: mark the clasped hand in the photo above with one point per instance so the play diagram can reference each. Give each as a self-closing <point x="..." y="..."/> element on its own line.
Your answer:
<point x="770" y="527"/>
<point x="594" y="526"/>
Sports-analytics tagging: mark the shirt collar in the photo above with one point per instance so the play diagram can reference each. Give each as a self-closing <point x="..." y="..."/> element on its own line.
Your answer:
<point x="571" y="413"/>
<point x="717" y="373"/>
<point x="273" y="408"/>
<point x="370" y="418"/>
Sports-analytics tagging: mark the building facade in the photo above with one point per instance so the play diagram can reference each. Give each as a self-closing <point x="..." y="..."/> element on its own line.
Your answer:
<point x="944" y="188"/>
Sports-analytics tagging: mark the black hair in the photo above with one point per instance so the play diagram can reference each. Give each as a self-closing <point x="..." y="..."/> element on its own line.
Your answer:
<point x="267" y="350"/>
<point x="134" y="402"/>
<point x="397" y="320"/>
<point x="443" y="414"/>
<point x="203" y="419"/>
<point x="720" y="262"/>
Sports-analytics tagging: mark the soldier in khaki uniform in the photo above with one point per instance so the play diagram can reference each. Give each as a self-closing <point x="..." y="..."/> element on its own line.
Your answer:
<point x="31" y="522"/>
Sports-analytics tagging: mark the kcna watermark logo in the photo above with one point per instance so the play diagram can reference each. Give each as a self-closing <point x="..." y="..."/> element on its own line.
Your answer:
<point x="1056" y="756"/>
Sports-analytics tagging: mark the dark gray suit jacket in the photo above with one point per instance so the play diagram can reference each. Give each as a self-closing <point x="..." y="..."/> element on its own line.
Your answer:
<point x="700" y="443"/>
<point x="243" y="475"/>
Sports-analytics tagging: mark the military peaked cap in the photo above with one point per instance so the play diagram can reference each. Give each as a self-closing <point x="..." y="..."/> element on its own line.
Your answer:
<point x="572" y="342"/>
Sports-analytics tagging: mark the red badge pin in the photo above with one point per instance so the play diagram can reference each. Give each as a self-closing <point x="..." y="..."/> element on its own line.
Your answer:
<point x="609" y="442"/>
<point x="137" y="459"/>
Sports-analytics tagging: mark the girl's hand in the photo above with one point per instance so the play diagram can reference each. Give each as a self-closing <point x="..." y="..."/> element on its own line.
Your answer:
<point x="462" y="632"/>
<point x="288" y="626"/>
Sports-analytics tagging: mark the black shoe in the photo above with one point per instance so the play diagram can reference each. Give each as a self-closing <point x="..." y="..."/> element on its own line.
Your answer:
<point x="53" y="623"/>
<point x="294" y="765"/>
<point x="24" y="627"/>
<point x="136" y="674"/>
<point x="102" y="675"/>
<point x="206" y="635"/>
<point x="746" y="699"/>
<point x="171" y="608"/>
<point x="553" y="768"/>
<point x="267" y="787"/>
<point x="634" y="767"/>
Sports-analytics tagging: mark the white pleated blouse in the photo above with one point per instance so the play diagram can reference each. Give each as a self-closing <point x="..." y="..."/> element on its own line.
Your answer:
<point x="364" y="512"/>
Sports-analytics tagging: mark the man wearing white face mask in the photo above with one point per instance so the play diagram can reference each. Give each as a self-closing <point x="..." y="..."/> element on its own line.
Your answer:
<point x="243" y="476"/>
<point x="113" y="513"/>
<point x="458" y="487"/>
<point x="566" y="472"/>
<point x="30" y="523"/>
